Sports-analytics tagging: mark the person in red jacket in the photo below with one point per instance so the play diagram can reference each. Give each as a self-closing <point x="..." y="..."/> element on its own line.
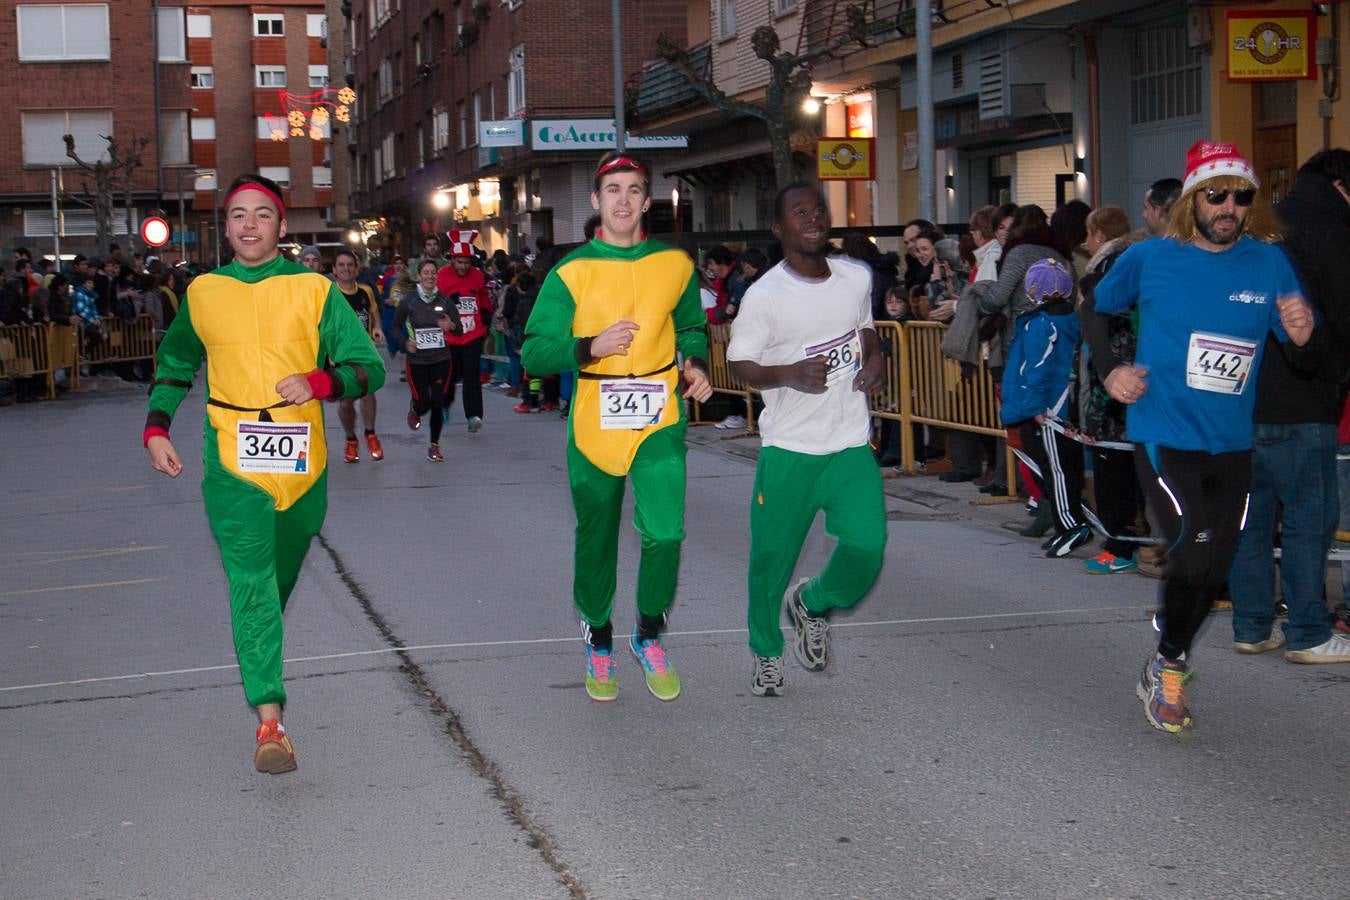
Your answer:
<point x="464" y="283"/>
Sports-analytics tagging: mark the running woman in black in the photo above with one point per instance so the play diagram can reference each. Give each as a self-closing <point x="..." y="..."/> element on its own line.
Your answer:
<point x="424" y="316"/>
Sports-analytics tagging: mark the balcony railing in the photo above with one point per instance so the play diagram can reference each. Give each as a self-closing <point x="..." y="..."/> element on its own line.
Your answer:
<point x="661" y="90"/>
<point x="825" y="20"/>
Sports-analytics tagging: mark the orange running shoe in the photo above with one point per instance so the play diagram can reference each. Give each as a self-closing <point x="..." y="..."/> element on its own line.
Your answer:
<point x="275" y="754"/>
<point x="351" y="454"/>
<point x="376" y="451"/>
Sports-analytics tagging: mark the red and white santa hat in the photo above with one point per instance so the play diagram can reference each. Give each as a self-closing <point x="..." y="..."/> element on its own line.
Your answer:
<point x="1206" y="160"/>
<point x="461" y="241"/>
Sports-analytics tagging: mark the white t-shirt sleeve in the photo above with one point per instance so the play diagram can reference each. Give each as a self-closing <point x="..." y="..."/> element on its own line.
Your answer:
<point x="751" y="331"/>
<point x="865" y="310"/>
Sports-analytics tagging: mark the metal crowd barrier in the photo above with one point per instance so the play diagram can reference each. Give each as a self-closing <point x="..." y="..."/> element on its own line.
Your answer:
<point x="124" y="341"/>
<point x="723" y="382"/>
<point x="922" y="387"/>
<point x="27" y="351"/>
<point x="934" y="391"/>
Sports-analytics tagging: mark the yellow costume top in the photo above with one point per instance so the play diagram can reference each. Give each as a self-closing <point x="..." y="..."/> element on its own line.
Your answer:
<point x="598" y="284"/>
<point x="255" y="326"/>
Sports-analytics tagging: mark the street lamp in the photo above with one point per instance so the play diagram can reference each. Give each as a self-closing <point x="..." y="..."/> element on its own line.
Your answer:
<point x="810" y="106"/>
<point x="203" y="174"/>
<point x="440" y="201"/>
<point x="353" y="237"/>
<point x="675" y="206"/>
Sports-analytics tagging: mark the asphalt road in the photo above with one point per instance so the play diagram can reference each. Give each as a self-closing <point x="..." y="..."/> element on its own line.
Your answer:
<point x="976" y="735"/>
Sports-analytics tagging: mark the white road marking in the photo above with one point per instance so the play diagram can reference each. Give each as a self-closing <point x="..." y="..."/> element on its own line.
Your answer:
<point x="78" y="587"/>
<point x="468" y="645"/>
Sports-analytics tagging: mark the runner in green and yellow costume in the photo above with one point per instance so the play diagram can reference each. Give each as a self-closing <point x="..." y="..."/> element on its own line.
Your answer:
<point x="276" y="338"/>
<point x="617" y="311"/>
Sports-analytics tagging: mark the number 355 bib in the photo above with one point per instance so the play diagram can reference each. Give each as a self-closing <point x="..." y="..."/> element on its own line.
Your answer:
<point x="1219" y="363"/>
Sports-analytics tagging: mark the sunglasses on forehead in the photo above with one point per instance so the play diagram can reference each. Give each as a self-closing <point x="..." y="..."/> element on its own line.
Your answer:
<point x="1243" y="197"/>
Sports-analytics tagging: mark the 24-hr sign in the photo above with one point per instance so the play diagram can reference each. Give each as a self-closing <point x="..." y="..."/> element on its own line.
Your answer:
<point x="1271" y="45"/>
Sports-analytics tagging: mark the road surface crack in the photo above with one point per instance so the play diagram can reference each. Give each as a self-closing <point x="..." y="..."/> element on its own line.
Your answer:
<point x="478" y="761"/>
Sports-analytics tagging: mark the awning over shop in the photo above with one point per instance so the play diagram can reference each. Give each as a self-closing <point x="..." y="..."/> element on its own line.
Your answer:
<point x="725" y="165"/>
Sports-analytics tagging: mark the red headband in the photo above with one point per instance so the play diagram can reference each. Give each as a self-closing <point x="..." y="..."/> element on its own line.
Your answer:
<point x="620" y="162"/>
<point x="262" y="189"/>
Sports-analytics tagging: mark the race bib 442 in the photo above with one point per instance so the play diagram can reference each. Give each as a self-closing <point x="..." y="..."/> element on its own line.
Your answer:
<point x="1219" y="363"/>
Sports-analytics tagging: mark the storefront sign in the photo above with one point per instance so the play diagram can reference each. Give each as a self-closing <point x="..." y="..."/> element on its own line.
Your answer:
<point x="594" y="134"/>
<point x="501" y="133"/>
<point x="1271" y="45"/>
<point x="845" y="159"/>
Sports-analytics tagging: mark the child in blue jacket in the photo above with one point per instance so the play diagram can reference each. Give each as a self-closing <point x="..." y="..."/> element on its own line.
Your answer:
<point x="1037" y="392"/>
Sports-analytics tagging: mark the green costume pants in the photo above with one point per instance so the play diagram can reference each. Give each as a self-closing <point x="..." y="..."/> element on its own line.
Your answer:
<point x="658" y="478"/>
<point x="261" y="549"/>
<point x="790" y="488"/>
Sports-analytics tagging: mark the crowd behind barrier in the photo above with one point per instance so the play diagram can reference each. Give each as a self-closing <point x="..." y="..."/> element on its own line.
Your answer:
<point x="43" y="349"/>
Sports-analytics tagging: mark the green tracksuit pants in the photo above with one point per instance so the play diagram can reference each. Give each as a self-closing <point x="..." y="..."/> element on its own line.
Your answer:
<point x="658" y="477"/>
<point x="790" y="488"/>
<point x="262" y="550"/>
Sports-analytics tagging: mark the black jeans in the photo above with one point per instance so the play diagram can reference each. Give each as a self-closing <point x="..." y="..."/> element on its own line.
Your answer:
<point x="1199" y="500"/>
<point x="466" y="359"/>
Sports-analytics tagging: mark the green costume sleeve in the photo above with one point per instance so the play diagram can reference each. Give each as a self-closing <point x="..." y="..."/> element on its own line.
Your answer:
<point x="549" y="347"/>
<point x="691" y="332"/>
<point x="357" y="367"/>
<point x="180" y="355"/>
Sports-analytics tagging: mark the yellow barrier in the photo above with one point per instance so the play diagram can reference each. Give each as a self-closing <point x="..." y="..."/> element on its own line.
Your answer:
<point x="27" y="351"/>
<point x="921" y="387"/>
<point x="124" y="341"/>
<point x="935" y="391"/>
<point x="719" y="374"/>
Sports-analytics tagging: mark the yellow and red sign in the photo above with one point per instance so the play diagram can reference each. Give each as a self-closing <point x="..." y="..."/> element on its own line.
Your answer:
<point x="1271" y="45"/>
<point x="848" y="159"/>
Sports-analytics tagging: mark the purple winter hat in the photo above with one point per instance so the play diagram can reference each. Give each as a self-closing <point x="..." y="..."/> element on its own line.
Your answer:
<point x="1047" y="279"/>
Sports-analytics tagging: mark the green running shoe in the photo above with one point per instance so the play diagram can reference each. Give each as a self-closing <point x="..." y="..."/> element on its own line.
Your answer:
<point x="661" y="678"/>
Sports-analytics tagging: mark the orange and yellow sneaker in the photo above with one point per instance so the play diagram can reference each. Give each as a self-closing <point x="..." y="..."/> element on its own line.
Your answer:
<point x="1162" y="688"/>
<point x="376" y="449"/>
<point x="275" y="754"/>
<point x="351" y="454"/>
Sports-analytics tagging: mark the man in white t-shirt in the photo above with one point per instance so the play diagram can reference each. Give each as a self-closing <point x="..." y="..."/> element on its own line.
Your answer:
<point x="805" y="339"/>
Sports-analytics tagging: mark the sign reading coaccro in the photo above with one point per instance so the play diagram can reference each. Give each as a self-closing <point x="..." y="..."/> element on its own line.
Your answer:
<point x="594" y="134"/>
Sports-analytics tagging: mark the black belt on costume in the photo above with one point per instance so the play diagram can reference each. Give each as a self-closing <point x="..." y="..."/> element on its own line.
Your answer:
<point x="599" y="377"/>
<point x="263" y="414"/>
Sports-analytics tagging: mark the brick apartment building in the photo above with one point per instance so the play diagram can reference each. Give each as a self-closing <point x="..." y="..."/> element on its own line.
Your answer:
<point x="429" y="74"/>
<point x="261" y="101"/>
<point x="88" y="69"/>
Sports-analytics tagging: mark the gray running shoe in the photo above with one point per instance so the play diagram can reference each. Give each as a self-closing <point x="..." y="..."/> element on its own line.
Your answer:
<point x="768" y="678"/>
<point x="812" y="645"/>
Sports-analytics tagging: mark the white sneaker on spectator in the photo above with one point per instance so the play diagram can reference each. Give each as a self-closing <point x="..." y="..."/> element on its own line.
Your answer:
<point x="731" y="422"/>
<point x="1335" y="649"/>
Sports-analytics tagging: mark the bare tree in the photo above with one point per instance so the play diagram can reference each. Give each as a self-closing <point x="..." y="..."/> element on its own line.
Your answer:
<point x="111" y="177"/>
<point x="789" y="82"/>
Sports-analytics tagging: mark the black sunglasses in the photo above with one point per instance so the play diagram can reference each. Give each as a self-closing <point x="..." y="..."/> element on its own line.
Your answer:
<point x="1243" y="197"/>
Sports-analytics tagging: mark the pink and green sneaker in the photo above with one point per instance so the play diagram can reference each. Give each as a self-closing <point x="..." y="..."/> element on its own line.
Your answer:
<point x="661" y="678"/>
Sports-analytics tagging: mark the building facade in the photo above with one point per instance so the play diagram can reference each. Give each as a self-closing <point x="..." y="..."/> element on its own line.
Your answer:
<point x="490" y="114"/>
<point x="262" y="101"/>
<point x="1034" y="101"/>
<point x="89" y="70"/>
